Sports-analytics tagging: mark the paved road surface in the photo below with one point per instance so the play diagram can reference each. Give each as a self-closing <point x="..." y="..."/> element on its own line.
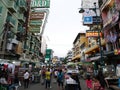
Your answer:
<point x="38" y="86"/>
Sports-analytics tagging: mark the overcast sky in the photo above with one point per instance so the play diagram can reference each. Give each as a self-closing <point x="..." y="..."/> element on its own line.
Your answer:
<point x="63" y="24"/>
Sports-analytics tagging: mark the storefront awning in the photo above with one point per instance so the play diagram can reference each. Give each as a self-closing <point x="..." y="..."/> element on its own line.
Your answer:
<point x="95" y="58"/>
<point x="76" y="57"/>
<point x="95" y="47"/>
<point x="91" y="49"/>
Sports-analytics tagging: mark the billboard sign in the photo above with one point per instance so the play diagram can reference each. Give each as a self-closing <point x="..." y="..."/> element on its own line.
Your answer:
<point x="87" y="20"/>
<point x="89" y="3"/>
<point x="35" y="22"/>
<point x="36" y="15"/>
<point x="35" y="29"/>
<point x="92" y="33"/>
<point x="40" y="3"/>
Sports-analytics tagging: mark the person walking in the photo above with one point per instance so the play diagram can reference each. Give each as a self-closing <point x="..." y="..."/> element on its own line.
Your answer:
<point x="43" y="71"/>
<point x="48" y="78"/>
<point x="26" y="79"/>
<point x="60" y="79"/>
<point x="96" y="84"/>
<point x="101" y="79"/>
<point x="89" y="82"/>
<point x="75" y="77"/>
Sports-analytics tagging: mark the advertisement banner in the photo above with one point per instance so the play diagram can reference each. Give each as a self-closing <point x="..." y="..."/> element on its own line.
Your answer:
<point x="93" y="33"/>
<point x="117" y="5"/>
<point x="89" y="3"/>
<point x="35" y="22"/>
<point x="35" y="29"/>
<point x="40" y="3"/>
<point x="36" y="15"/>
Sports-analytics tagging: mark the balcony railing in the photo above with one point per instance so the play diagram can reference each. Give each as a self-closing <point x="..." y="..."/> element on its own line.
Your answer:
<point x="11" y="5"/>
<point x="21" y="17"/>
<point x="23" y="5"/>
<point x="11" y="21"/>
<point x="20" y="29"/>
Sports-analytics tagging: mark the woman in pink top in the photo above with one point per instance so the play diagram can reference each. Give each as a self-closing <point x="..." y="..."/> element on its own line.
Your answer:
<point x="89" y="82"/>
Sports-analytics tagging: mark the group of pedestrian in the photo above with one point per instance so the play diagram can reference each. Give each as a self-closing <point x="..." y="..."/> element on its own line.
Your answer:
<point x="47" y="74"/>
<point x="8" y="80"/>
<point x="96" y="82"/>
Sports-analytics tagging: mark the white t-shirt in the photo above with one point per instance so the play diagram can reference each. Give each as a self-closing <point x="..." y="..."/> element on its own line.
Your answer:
<point x="3" y="81"/>
<point x="26" y="75"/>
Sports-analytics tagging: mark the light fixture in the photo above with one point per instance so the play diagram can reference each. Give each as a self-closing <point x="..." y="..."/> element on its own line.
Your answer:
<point x="81" y="10"/>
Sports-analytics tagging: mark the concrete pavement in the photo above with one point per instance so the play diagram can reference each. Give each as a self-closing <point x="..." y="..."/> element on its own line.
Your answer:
<point x="38" y="86"/>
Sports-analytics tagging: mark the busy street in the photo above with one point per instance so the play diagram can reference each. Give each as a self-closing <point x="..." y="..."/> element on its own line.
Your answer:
<point x="54" y="86"/>
<point x="59" y="44"/>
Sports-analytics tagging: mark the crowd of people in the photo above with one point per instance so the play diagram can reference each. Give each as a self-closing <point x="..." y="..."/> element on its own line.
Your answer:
<point x="8" y="79"/>
<point x="97" y="82"/>
<point x="48" y="75"/>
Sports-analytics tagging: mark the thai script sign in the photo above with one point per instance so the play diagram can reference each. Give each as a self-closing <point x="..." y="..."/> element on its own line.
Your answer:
<point x="36" y="22"/>
<point x="35" y="29"/>
<point x="91" y="33"/>
<point x="37" y="15"/>
<point x="40" y="3"/>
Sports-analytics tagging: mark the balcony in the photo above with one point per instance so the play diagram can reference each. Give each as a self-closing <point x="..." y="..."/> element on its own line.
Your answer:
<point x="26" y="47"/>
<point x="20" y="29"/>
<point x="21" y="17"/>
<point x="11" y="21"/>
<point x="22" y="5"/>
<point x="107" y="21"/>
<point x="11" y="5"/>
<point x="106" y="4"/>
<point x="31" y="51"/>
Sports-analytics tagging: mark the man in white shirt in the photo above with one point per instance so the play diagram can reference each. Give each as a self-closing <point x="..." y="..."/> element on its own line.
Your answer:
<point x="26" y="79"/>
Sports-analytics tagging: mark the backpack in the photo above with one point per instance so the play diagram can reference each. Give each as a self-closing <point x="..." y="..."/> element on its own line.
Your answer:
<point x="43" y="73"/>
<point x="60" y="77"/>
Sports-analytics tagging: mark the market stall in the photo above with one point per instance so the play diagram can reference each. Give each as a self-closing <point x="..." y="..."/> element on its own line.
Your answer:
<point x="111" y="77"/>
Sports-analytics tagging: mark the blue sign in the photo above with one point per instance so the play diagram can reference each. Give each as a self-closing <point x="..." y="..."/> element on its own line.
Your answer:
<point x="87" y="20"/>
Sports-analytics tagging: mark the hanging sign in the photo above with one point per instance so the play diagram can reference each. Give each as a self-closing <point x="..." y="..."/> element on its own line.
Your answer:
<point x="40" y="3"/>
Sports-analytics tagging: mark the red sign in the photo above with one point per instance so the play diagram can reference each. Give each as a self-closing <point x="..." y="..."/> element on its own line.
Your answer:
<point x="37" y="15"/>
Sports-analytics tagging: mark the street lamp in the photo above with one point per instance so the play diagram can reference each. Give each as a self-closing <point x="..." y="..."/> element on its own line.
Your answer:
<point x="97" y="23"/>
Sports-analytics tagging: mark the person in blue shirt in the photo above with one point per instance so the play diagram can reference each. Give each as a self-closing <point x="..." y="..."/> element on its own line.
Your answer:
<point x="60" y="79"/>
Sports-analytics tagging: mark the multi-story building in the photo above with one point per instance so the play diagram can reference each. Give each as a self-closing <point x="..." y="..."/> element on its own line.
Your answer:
<point x="106" y="44"/>
<point x="17" y="41"/>
<point x="92" y="19"/>
<point x="79" y="45"/>
<point x="69" y="56"/>
<point x="12" y="29"/>
<point x="110" y="13"/>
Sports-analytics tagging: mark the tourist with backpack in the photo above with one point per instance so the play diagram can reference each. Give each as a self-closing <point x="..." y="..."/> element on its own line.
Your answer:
<point x="60" y="79"/>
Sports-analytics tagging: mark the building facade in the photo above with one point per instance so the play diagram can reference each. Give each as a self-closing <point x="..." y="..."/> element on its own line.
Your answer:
<point x="17" y="41"/>
<point x="79" y="45"/>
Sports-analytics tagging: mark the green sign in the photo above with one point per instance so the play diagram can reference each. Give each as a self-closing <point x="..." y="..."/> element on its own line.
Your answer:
<point x="40" y="3"/>
<point x="35" y="30"/>
<point x="36" y="22"/>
